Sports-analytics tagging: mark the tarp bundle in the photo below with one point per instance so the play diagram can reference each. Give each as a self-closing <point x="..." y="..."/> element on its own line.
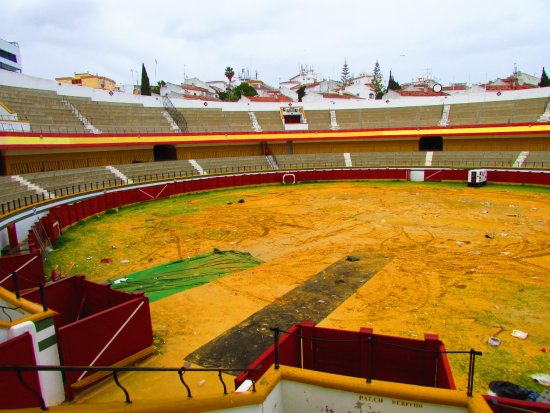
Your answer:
<point x="167" y="279"/>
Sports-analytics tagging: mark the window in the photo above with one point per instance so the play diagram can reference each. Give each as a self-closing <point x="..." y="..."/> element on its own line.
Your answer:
<point x="8" y="56"/>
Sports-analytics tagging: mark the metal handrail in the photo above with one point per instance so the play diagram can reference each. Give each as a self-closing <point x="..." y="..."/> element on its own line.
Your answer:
<point x="115" y="370"/>
<point x="26" y="201"/>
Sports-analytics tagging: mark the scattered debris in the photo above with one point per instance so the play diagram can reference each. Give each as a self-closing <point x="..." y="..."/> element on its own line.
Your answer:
<point x="541" y="378"/>
<point x="230" y="203"/>
<point x="512" y="391"/>
<point x="89" y="257"/>
<point x="113" y="247"/>
<point x="124" y="261"/>
<point x="494" y="341"/>
<point x="120" y="280"/>
<point x="484" y="211"/>
<point x="106" y="260"/>
<point x="241" y="201"/>
<point x="321" y="301"/>
<point x="519" y="334"/>
<point x="490" y="235"/>
<point x="351" y="258"/>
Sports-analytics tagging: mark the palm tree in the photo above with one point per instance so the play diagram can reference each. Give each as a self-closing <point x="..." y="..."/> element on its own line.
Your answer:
<point x="229" y="73"/>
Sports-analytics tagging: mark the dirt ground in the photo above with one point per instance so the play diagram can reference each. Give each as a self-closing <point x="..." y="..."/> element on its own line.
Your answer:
<point x="468" y="264"/>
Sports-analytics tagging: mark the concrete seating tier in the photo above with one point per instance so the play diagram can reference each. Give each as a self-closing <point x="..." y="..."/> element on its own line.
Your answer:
<point x="69" y="181"/>
<point x="311" y="160"/>
<point x="205" y="120"/>
<point x="149" y="171"/>
<point x="380" y="118"/>
<point x="382" y="159"/>
<point x="318" y="119"/>
<point x="475" y="159"/>
<point x="111" y="117"/>
<point x="237" y="164"/>
<point x="238" y="121"/>
<point x="537" y="159"/>
<point x="509" y="111"/>
<point x="528" y="110"/>
<point x="269" y="120"/>
<point x="43" y="109"/>
<point x="13" y="192"/>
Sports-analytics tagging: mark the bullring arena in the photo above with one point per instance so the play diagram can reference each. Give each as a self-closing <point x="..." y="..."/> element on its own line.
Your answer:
<point x="431" y="254"/>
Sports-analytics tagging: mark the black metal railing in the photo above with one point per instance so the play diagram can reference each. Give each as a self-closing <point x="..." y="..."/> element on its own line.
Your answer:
<point x="116" y="370"/>
<point x="17" y="203"/>
<point x="175" y="114"/>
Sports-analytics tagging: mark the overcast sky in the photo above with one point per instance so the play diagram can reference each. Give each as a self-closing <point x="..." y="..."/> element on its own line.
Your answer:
<point x="452" y="40"/>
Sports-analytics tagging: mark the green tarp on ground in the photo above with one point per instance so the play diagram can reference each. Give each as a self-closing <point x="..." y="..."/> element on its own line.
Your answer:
<point x="177" y="276"/>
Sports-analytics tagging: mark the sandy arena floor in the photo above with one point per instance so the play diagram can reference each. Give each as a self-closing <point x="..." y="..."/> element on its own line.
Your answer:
<point x="467" y="264"/>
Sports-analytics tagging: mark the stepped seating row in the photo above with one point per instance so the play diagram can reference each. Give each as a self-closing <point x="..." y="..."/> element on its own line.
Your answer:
<point x="318" y="119"/>
<point x="46" y="112"/>
<point x="510" y="111"/>
<point x="148" y="171"/>
<point x="69" y="181"/>
<point x="216" y="120"/>
<point x="538" y="159"/>
<point x="269" y="121"/>
<point x="475" y="159"/>
<point x="111" y="117"/>
<point x="43" y="109"/>
<point x="376" y="159"/>
<point x="244" y="163"/>
<point x="311" y="160"/>
<point x="414" y="116"/>
<point x="13" y="191"/>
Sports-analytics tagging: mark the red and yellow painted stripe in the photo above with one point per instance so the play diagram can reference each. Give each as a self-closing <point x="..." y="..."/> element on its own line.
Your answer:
<point x="13" y="140"/>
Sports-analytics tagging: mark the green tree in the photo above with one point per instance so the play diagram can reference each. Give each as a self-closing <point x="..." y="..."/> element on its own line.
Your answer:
<point x="229" y="73"/>
<point x="345" y="79"/>
<point x="159" y="85"/>
<point x="544" y="81"/>
<point x="378" y="81"/>
<point x="243" y="89"/>
<point x="393" y="84"/>
<point x="145" y="85"/>
<point x="301" y="93"/>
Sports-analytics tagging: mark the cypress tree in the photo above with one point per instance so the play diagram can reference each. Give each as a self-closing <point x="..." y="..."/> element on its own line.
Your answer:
<point x="145" y="85"/>
<point x="345" y="79"/>
<point x="544" y="81"/>
<point x="377" y="81"/>
<point x="393" y="84"/>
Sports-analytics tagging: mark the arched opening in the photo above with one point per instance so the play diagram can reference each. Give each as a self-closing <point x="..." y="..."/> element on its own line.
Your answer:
<point x="165" y="153"/>
<point x="431" y="143"/>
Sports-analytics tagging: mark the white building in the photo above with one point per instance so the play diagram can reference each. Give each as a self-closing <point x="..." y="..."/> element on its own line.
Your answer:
<point x="10" y="57"/>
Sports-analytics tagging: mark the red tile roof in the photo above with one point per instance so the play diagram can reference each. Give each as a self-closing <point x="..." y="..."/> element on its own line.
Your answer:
<point x="195" y="88"/>
<point x="193" y="97"/>
<point x="420" y="93"/>
<point x="339" y="96"/>
<point x="277" y="98"/>
<point x="455" y="87"/>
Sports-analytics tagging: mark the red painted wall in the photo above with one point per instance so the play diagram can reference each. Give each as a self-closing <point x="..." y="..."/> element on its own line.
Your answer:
<point x="361" y="354"/>
<point x="28" y="277"/>
<point x="13" y="395"/>
<point x="89" y="315"/>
